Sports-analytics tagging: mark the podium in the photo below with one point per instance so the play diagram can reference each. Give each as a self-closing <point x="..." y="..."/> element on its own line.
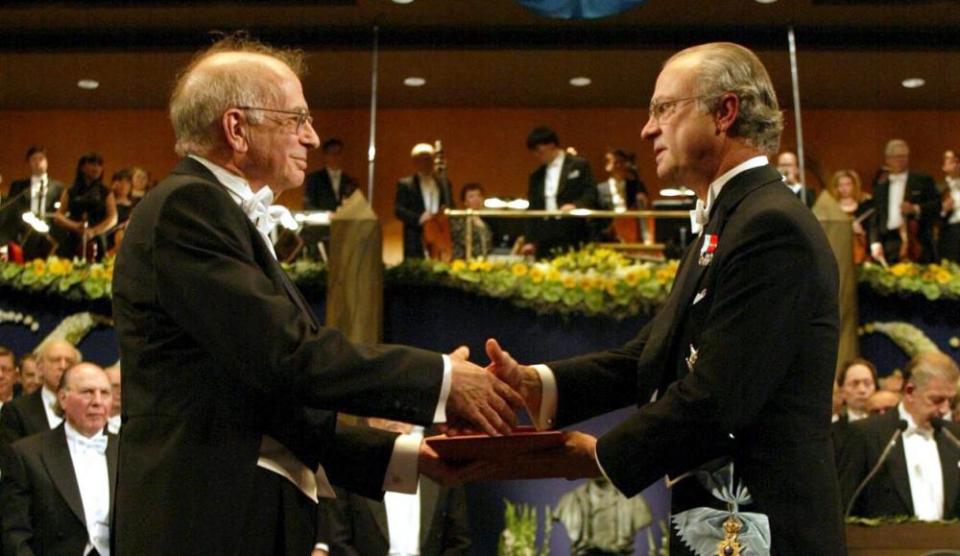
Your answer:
<point x="903" y="539"/>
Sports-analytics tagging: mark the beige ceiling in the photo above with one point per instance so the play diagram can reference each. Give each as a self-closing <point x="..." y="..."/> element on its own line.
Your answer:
<point x="481" y="52"/>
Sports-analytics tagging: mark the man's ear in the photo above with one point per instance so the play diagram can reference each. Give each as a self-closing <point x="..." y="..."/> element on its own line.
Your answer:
<point x="728" y="107"/>
<point x="235" y="131"/>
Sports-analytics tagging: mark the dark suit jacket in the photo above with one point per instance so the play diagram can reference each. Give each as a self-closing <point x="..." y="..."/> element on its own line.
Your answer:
<point x="408" y="206"/>
<point x="920" y="190"/>
<point x="358" y="526"/>
<point x="17" y="202"/>
<point x="318" y="191"/>
<point x="578" y="187"/>
<point x="42" y="512"/>
<point x="765" y="329"/>
<point x="218" y="349"/>
<point x="54" y="191"/>
<point x="22" y="417"/>
<point x="888" y="493"/>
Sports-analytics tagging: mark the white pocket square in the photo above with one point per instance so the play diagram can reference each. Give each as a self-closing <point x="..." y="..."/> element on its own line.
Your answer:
<point x="573" y="175"/>
<point x="699" y="297"/>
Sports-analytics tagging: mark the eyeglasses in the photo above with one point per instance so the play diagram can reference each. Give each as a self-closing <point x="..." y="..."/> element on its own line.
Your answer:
<point x="303" y="115"/>
<point x="665" y="108"/>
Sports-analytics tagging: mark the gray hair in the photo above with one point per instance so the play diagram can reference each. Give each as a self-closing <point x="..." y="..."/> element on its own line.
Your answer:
<point x="730" y="68"/>
<point x="199" y="99"/>
<point x="892" y="146"/>
<point x="932" y="365"/>
<point x="41" y="350"/>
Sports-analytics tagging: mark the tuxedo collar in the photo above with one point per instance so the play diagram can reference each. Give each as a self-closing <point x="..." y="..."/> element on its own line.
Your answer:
<point x="56" y="458"/>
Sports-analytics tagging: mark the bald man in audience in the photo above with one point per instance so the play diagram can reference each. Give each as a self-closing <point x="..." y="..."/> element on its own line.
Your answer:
<point x="789" y="168"/>
<point x="881" y="401"/>
<point x="35" y="413"/>
<point x="55" y="497"/>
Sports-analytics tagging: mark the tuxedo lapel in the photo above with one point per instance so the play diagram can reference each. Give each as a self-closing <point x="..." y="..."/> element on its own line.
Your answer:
<point x="113" y="450"/>
<point x="882" y="199"/>
<point x="35" y="414"/>
<point x="949" y="458"/>
<point x="564" y="170"/>
<point x="897" y="465"/>
<point x="56" y="458"/>
<point x="429" y="494"/>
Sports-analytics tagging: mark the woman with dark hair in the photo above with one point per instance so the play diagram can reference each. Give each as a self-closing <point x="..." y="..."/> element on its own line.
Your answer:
<point x="622" y="191"/>
<point x="87" y="210"/>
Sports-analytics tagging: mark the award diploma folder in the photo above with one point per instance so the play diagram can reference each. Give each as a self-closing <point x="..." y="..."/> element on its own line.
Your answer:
<point x="523" y="447"/>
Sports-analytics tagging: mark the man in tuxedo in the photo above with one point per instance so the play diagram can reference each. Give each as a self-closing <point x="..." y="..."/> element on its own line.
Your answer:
<point x="789" y="168"/>
<point x="57" y="489"/>
<point x="561" y="182"/>
<point x="9" y="379"/>
<point x="430" y="522"/>
<point x="738" y="364"/>
<point x="38" y="194"/>
<point x="920" y="476"/>
<point x="856" y="381"/>
<point x="30" y="378"/>
<point x="231" y="385"/>
<point x="34" y="412"/>
<point x="903" y="198"/>
<point x="949" y="243"/>
<point x="327" y="188"/>
<point x="419" y="198"/>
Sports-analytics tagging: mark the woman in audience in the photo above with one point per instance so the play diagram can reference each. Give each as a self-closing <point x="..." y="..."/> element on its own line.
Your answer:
<point x="87" y="210"/>
<point x="472" y="197"/>
<point x="845" y="187"/>
<point x="622" y="191"/>
<point x="140" y="182"/>
<point x="120" y="184"/>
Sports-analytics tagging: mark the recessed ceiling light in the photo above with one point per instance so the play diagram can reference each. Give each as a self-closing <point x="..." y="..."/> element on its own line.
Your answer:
<point x="913" y="82"/>
<point x="403" y="1"/>
<point x="580" y="81"/>
<point x="414" y="82"/>
<point x="88" y="84"/>
<point x="766" y="1"/>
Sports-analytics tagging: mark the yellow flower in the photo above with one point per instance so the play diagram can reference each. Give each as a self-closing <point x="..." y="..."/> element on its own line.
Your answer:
<point x="486" y="266"/>
<point x="553" y="275"/>
<point x="536" y="275"/>
<point x="519" y="269"/>
<point x="60" y="267"/>
<point x="903" y="269"/>
<point x="458" y="265"/>
<point x="569" y="281"/>
<point x="632" y="277"/>
<point x="39" y="265"/>
<point x="475" y="265"/>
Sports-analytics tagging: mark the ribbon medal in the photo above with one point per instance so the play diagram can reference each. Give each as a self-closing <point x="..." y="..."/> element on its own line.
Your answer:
<point x="708" y="248"/>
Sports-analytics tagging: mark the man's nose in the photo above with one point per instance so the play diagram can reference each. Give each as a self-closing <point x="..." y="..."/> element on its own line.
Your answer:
<point x="650" y="129"/>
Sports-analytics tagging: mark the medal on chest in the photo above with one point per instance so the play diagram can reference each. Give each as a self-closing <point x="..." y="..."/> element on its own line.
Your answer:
<point x="708" y="248"/>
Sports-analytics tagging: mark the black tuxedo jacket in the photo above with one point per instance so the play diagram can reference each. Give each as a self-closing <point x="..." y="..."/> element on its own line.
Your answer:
<point x="42" y="512"/>
<point x="920" y="190"/>
<point x="22" y="417"/>
<point x="578" y="187"/>
<point x="358" y="526"/>
<point x="888" y="493"/>
<point x="763" y="319"/>
<point x="408" y="206"/>
<point x="218" y="349"/>
<point x="318" y="191"/>
<point x="54" y="192"/>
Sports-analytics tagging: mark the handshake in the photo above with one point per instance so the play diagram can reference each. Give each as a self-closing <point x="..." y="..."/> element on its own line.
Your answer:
<point x="484" y="401"/>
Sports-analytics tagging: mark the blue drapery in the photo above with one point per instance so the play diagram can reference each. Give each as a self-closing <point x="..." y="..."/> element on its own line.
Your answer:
<point x="579" y="9"/>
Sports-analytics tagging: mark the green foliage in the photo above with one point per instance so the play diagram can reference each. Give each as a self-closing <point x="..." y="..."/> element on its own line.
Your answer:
<point x="932" y="281"/>
<point x="519" y="536"/>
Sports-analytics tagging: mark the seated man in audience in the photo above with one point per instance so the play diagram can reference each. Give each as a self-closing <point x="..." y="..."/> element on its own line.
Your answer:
<point x="55" y="497"/>
<point x="419" y="198"/>
<point x="562" y="182"/>
<point x="949" y="244"/>
<point x="327" y="188"/>
<point x="919" y="476"/>
<point x="907" y="207"/>
<point x="881" y="401"/>
<point x="431" y="522"/>
<point x="857" y="381"/>
<point x="789" y="168"/>
<point x="34" y="413"/>
<point x="9" y="381"/>
<point x="472" y="197"/>
<point x="30" y="378"/>
<point x="113" y="423"/>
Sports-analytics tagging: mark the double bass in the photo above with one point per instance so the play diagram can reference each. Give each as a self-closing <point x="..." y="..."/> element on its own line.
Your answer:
<point x="437" y="239"/>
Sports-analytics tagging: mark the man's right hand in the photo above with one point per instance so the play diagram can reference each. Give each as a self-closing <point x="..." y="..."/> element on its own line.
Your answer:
<point x="522" y="378"/>
<point x="426" y="215"/>
<point x="479" y="399"/>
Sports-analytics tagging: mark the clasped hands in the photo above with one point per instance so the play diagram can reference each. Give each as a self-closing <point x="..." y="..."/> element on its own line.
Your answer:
<point x="486" y="400"/>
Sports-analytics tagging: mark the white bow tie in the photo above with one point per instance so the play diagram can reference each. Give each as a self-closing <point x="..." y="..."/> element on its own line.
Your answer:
<point x="97" y="443"/>
<point x="257" y="209"/>
<point x="699" y="217"/>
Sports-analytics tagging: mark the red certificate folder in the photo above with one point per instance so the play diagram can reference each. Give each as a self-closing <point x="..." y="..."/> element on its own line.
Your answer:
<point x="525" y="454"/>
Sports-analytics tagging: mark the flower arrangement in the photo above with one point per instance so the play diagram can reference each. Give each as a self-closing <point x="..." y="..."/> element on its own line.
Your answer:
<point x="27" y="320"/>
<point x="933" y="281"/>
<point x="519" y="536"/>
<point x="74" y="280"/>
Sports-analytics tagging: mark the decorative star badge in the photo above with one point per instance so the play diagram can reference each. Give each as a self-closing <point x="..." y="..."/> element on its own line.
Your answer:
<point x="709" y="247"/>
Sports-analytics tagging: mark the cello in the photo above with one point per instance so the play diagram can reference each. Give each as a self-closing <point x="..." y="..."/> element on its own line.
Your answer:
<point x="437" y="239"/>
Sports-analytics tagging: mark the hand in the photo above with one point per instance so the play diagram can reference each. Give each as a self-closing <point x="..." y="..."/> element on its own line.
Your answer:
<point x="948" y="204"/>
<point x="528" y="250"/>
<point x="857" y="228"/>
<point x="876" y="251"/>
<point x="89" y="234"/>
<point x="909" y="209"/>
<point x="318" y="552"/>
<point x="642" y="201"/>
<point x="430" y="464"/>
<point x="522" y="378"/>
<point x="479" y="398"/>
<point x="427" y="215"/>
<point x="568" y="206"/>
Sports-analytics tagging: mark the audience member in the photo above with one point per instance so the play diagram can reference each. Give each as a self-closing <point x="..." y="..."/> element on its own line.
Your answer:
<point x="327" y="188"/>
<point x="881" y="401"/>
<point x="919" y="478"/>
<point x="622" y="191"/>
<point x="140" y="183"/>
<point x="789" y="168"/>
<point x="121" y="184"/>
<point x="419" y="198"/>
<point x="907" y="208"/>
<point x="44" y="192"/>
<point x="949" y="245"/>
<point x="845" y="187"/>
<point x="893" y="382"/>
<point x="561" y="182"/>
<point x="857" y="381"/>
<point x="8" y="376"/>
<point x="472" y="197"/>
<point x="431" y="522"/>
<point x="87" y="210"/>
<point x="34" y="413"/>
<point x="56" y="490"/>
<point x="113" y="422"/>
<point x="30" y="378"/>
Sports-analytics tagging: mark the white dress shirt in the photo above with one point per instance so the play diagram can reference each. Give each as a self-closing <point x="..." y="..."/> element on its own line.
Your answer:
<point x="897" y="189"/>
<point x="402" y="471"/>
<point x="430" y="193"/>
<point x="335" y="177"/>
<point x="49" y="402"/>
<point x="403" y="517"/>
<point x="90" y="467"/>
<point x="549" y="395"/>
<point x="923" y="468"/>
<point x="954" y="185"/>
<point x="113" y="424"/>
<point x="551" y="181"/>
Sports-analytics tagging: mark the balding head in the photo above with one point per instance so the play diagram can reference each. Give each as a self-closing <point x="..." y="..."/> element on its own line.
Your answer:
<point x="53" y="358"/>
<point x="84" y="398"/>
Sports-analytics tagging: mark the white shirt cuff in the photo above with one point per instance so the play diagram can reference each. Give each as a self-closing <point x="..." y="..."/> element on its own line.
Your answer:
<point x="440" y="415"/>
<point x="596" y="457"/>
<point x="322" y="546"/>
<point x="403" y="467"/>
<point x="548" y="399"/>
